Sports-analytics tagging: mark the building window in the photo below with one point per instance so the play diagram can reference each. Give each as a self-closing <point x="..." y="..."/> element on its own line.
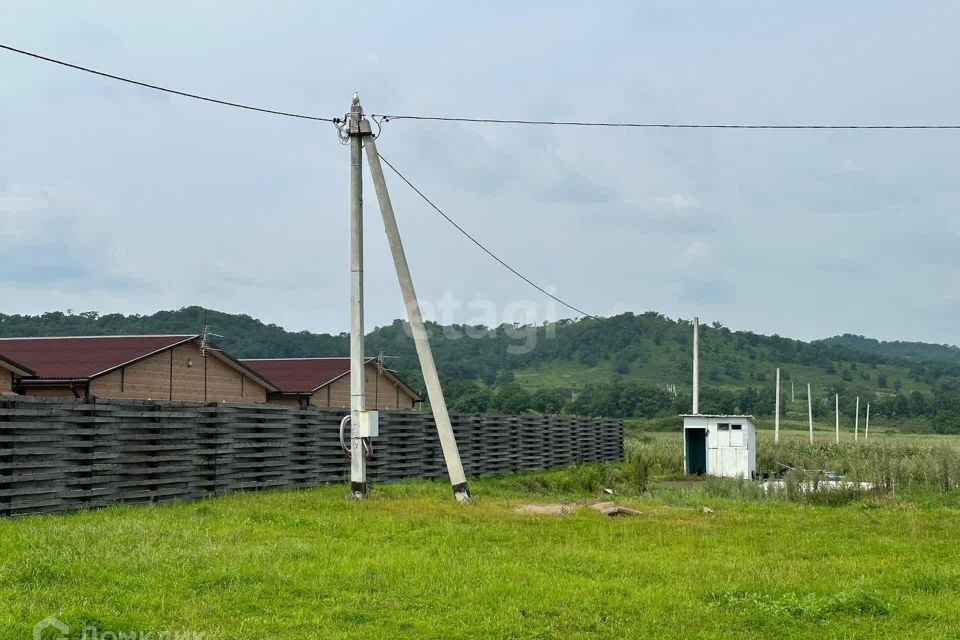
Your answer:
<point x="736" y="435"/>
<point x="723" y="434"/>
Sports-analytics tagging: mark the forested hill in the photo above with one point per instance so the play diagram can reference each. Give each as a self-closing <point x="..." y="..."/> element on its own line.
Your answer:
<point x="647" y="347"/>
<point x="626" y="365"/>
<point x="911" y="351"/>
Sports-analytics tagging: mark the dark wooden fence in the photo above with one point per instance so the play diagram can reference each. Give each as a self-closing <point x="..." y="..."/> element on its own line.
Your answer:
<point x="61" y="454"/>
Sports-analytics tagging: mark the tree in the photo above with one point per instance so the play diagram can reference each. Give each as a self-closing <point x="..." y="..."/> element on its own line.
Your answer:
<point x="549" y="401"/>
<point x="510" y="398"/>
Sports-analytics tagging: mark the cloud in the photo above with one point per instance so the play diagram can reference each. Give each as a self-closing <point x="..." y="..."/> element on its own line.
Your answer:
<point x="575" y="189"/>
<point x="19" y="199"/>
<point x="677" y="223"/>
<point x="678" y="201"/>
<point x="708" y="291"/>
<point x="695" y="252"/>
<point x="113" y="197"/>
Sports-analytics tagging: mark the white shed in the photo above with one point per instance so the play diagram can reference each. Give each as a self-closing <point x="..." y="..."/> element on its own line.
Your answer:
<point x="719" y="445"/>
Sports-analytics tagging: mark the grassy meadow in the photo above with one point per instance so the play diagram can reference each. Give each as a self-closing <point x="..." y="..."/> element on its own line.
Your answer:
<point x="409" y="562"/>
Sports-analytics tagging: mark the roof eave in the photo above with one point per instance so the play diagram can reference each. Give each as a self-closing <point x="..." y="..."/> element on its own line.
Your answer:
<point x="15" y="367"/>
<point x="51" y="382"/>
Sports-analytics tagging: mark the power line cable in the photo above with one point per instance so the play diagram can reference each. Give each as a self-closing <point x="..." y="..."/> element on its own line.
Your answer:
<point x="516" y="121"/>
<point x="663" y="125"/>
<point x="165" y="89"/>
<point x="479" y="244"/>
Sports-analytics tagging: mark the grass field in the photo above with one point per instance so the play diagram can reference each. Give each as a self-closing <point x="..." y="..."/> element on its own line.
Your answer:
<point x="409" y="562"/>
<point x="661" y="368"/>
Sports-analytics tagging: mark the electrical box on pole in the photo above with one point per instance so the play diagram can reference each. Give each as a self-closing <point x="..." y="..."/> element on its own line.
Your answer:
<point x="368" y="426"/>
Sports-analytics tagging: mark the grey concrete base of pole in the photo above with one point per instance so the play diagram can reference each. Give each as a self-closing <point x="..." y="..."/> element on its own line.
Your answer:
<point x="448" y="442"/>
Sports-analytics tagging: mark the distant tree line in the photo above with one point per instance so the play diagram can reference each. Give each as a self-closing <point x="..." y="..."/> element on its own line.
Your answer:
<point x="618" y="356"/>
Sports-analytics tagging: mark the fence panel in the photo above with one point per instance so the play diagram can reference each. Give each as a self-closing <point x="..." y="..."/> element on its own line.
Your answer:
<point x="60" y="454"/>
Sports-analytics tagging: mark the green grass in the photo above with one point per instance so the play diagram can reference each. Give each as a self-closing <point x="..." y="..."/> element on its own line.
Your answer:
<point x="409" y="562"/>
<point x="563" y="374"/>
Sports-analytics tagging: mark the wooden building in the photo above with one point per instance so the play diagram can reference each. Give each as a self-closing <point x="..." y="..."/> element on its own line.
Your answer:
<point x="170" y="367"/>
<point x="325" y="382"/>
<point x="9" y="372"/>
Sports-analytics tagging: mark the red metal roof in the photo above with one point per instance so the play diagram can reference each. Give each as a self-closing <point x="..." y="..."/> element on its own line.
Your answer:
<point x="300" y="375"/>
<point x="306" y="375"/>
<point x="81" y="358"/>
<point x="16" y="367"/>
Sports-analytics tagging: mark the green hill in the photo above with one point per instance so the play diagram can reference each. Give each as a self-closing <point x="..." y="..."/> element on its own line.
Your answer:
<point x="911" y="351"/>
<point x="626" y="365"/>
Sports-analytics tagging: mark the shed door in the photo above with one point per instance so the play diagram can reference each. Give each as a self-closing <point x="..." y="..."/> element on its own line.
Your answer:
<point x="696" y="441"/>
<point x="728" y="463"/>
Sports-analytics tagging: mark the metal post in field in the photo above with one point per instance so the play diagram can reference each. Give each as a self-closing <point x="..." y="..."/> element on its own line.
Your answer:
<point x="810" y="411"/>
<point x="358" y="403"/>
<point x="438" y="405"/>
<point x="836" y="411"/>
<point x="776" y="420"/>
<point x="793" y="397"/>
<point x="856" y="422"/>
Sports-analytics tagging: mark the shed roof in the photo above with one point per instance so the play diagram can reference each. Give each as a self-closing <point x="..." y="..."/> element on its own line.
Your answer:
<point x="307" y="375"/>
<point x="719" y="416"/>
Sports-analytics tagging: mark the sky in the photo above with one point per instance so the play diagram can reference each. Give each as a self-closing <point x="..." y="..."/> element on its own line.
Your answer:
<point x="115" y="198"/>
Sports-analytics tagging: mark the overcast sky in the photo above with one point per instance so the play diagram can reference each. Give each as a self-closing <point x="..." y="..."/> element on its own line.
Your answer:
<point x="119" y="199"/>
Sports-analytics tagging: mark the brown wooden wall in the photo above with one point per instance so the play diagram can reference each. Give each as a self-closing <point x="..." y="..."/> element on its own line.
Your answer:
<point x="382" y="393"/>
<point x="151" y="377"/>
<point x="58" y="392"/>
<point x="6" y="380"/>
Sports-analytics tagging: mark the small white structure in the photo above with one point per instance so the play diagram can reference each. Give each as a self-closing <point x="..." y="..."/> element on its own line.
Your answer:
<point x="720" y="445"/>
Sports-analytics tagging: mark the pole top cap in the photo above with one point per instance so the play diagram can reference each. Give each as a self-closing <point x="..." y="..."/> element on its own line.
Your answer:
<point x="356" y="98"/>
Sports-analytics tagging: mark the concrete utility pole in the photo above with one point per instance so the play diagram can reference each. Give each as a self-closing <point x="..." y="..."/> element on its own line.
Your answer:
<point x="357" y="128"/>
<point x="448" y="442"/>
<point x="776" y="420"/>
<point x="810" y="411"/>
<point x="836" y="411"/>
<point x="793" y="397"/>
<point x="856" y="422"/>
<point x="696" y="366"/>
<point x="866" y="426"/>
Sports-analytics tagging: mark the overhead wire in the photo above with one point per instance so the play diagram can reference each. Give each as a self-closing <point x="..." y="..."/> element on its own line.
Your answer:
<point x="472" y="239"/>
<point x="156" y="87"/>
<point x="379" y="119"/>
<point x="660" y="125"/>
<point x="513" y="121"/>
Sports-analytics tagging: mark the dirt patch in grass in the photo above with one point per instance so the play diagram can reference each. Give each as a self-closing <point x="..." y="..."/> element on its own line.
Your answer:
<point x="546" y="509"/>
